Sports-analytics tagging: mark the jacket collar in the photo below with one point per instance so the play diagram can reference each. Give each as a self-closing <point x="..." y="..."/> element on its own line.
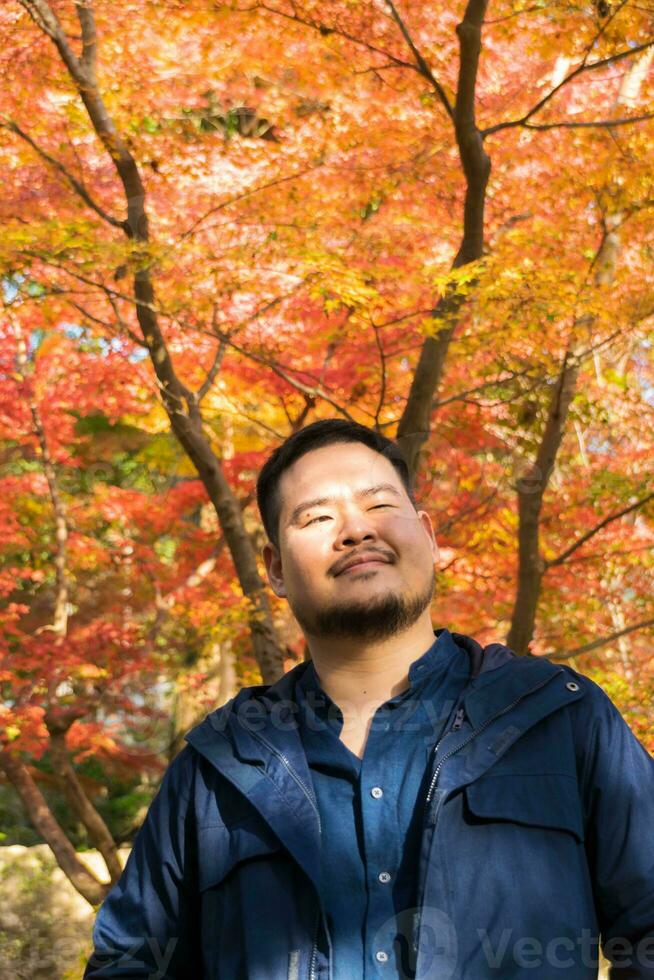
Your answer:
<point x="237" y="753"/>
<point x="494" y="691"/>
<point x="265" y="712"/>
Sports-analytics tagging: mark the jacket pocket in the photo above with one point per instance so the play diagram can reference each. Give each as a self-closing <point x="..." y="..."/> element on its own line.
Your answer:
<point x="541" y="800"/>
<point x="221" y="849"/>
<point x="243" y="873"/>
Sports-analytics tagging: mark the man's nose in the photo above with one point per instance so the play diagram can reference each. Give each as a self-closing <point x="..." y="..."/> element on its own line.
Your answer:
<point x="355" y="527"/>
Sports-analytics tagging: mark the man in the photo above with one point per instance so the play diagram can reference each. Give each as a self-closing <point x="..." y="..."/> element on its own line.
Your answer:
<point x="404" y="804"/>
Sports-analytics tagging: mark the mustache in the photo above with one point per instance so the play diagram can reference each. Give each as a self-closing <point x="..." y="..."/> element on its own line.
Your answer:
<point x="342" y="563"/>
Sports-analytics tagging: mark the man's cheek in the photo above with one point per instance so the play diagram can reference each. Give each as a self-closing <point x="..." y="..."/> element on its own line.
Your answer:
<point x="302" y="585"/>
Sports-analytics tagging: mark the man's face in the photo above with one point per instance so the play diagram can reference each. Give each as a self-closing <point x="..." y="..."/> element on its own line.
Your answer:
<point x="337" y="503"/>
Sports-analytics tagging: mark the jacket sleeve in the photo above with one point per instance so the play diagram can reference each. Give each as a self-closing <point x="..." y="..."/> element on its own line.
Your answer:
<point x="146" y="925"/>
<point x="617" y="783"/>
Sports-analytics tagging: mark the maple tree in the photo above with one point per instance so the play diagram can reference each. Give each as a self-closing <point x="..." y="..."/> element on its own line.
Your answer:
<point x="434" y="220"/>
<point x="118" y="564"/>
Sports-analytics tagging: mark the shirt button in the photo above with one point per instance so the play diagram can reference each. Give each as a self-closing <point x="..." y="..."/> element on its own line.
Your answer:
<point x="384" y="877"/>
<point x="377" y="792"/>
<point x="381" y="956"/>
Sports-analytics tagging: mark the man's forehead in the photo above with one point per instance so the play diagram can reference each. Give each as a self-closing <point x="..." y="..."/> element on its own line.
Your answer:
<point x="341" y="469"/>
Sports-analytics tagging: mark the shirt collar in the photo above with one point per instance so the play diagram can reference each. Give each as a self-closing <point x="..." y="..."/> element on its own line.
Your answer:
<point x="437" y="658"/>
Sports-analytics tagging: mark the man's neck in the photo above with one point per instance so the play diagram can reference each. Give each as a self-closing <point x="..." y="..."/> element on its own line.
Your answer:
<point x="359" y="676"/>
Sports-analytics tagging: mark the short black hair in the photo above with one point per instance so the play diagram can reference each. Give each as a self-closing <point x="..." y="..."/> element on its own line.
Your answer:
<point x="315" y="436"/>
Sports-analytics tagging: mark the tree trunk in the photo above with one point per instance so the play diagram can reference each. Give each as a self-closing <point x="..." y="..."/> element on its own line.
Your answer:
<point x="181" y="404"/>
<point x="81" y="806"/>
<point x="531" y="566"/>
<point x="43" y="821"/>
<point x="217" y="665"/>
<point x="415" y="424"/>
<point x="531" y="489"/>
<point x="67" y="777"/>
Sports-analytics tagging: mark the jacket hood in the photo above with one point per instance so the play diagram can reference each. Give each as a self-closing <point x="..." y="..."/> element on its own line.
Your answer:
<point x="482" y="660"/>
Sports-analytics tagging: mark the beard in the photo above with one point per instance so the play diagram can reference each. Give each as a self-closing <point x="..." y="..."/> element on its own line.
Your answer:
<point x="367" y="619"/>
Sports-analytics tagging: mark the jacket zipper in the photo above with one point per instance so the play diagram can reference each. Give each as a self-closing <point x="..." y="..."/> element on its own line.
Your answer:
<point x="305" y="789"/>
<point x="309" y="795"/>
<point x="314" y="951"/>
<point x="303" y="786"/>
<point x="458" y="720"/>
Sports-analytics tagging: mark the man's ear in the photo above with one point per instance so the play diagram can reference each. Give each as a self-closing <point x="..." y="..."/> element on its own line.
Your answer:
<point x="273" y="562"/>
<point x="425" y="520"/>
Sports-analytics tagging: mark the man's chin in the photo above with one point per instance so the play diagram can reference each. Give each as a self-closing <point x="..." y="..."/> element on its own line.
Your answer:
<point x="375" y="619"/>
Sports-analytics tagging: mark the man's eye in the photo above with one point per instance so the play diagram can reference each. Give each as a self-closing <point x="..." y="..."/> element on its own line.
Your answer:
<point x="327" y="517"/>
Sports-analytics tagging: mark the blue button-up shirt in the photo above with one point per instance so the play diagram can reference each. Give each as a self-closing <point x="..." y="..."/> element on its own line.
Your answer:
<point x="371" y="810"/>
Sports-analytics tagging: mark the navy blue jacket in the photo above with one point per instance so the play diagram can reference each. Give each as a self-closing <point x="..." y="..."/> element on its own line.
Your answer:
<point x="538" y="838"/>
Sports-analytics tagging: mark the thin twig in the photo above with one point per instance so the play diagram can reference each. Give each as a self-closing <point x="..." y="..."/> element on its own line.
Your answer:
<point x="587" y="647"/>
<point x="584" y="67"/>
<point x="77" y="185"/>
<point x="423" y="67"/>
<point x="596" y="529"/>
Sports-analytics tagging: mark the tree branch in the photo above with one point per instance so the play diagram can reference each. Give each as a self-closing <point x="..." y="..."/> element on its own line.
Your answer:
<point x="77" y="185"/>
<point x="599" y="124"/>
<point x="43" y="820"/>
<point x="245" y="194"/>
<point x="123" y="326"/>
<point x="605" y="556"/>
<point x="325" y="30"/>
<point x="446" y="526"/>
<point x="584" y="67"/>
<point x="214" y="369"/>
<point x="79" y="802"/>
<point x="531" y="488"/>
<point x="109" y="291"/>
<point x="89" y="37"/>
<point x="313" y="391"/>
<point x="423" y="67"/>
<point x="596" y="644"/>
<point x="43" y="17"/>
<point x="595" y="530"/>
<point x="60" y="291"/>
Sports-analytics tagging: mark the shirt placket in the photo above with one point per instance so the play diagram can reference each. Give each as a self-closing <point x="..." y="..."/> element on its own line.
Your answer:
<point x="378" y="788"/>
